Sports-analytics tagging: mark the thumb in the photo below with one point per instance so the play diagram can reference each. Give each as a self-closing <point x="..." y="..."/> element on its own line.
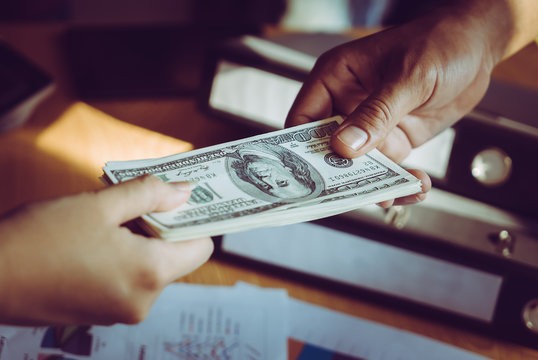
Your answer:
<point x="142" y="195"/>
<point x="370" y="123"/>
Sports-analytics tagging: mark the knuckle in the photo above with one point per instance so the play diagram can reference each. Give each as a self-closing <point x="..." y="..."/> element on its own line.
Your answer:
<point x="377" y="113"/>
<point x="428" y="77"/>
<point x="132" y="303"/>
<point x="130" y="300"/>
<point x="134" y="313"/>
<point x="151" y="278"/>
<point x="422" y="71"/>
<point x="331" y="59"/>
<point x="328" y="56"/>
<point x="322" y="59"/>
<point x="428" y="74"/>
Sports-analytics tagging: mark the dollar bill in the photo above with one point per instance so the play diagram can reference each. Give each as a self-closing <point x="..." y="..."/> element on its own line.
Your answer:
<point x="277" y="178"/>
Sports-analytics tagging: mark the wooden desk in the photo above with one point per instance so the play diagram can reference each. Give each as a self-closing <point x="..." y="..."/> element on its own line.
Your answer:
<point x="62" y="148"/>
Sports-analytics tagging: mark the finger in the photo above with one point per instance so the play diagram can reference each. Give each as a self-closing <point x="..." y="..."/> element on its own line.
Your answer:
<point x="371" y="122"/>
<point x="143" y="195"/>
<point x="386" y="204"/>
<point x="314" y="102"/>
<point x="182" y="257"/>
<point x="414" y="198"/>
<point x="396" y="145"/>
<point x="424" y="178"/>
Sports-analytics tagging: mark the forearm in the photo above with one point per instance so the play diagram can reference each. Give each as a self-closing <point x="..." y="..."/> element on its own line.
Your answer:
<point x="508" y="25"/>
<point x="524" y="26"/>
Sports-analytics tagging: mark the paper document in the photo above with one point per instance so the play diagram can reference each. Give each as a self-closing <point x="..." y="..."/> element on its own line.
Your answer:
<point x="243" y="322"/>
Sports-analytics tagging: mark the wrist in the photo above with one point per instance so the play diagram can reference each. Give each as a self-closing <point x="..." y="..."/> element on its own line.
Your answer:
<point x="469" y="28"/>
<point x="487" y="21"/>
<point x="505" y="26"/>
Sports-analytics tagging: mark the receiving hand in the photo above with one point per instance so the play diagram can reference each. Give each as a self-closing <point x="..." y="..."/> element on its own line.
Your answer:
<point x="70" y="260"/>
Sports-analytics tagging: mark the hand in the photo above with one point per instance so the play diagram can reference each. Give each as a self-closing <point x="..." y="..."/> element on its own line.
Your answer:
<point x="415" y="198"/>
<point x="70" y="260"/>
<point x="399" y="87"/>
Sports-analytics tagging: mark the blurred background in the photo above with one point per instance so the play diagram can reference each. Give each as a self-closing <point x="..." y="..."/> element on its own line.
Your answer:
<point x="154" y="48"/>
<point x="313" y="15"/>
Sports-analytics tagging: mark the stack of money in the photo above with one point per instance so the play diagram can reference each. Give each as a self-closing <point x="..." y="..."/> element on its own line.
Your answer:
<point x="278" y="178"/>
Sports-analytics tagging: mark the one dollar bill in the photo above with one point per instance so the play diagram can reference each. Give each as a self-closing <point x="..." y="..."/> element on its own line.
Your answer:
<point x="278" y="178"/>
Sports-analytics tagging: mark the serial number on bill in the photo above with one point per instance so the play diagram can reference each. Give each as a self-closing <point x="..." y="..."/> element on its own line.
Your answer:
<point x="199" y="178"/>
<point x="353" y="174"/>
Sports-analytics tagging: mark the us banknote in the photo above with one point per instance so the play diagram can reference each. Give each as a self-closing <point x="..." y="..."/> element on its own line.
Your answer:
<point x="277" y="178"/>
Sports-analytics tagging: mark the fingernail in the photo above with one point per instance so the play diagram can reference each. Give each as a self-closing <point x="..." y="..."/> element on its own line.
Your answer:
<point x="183" y="186"/>
<point x="353" y="137"/>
